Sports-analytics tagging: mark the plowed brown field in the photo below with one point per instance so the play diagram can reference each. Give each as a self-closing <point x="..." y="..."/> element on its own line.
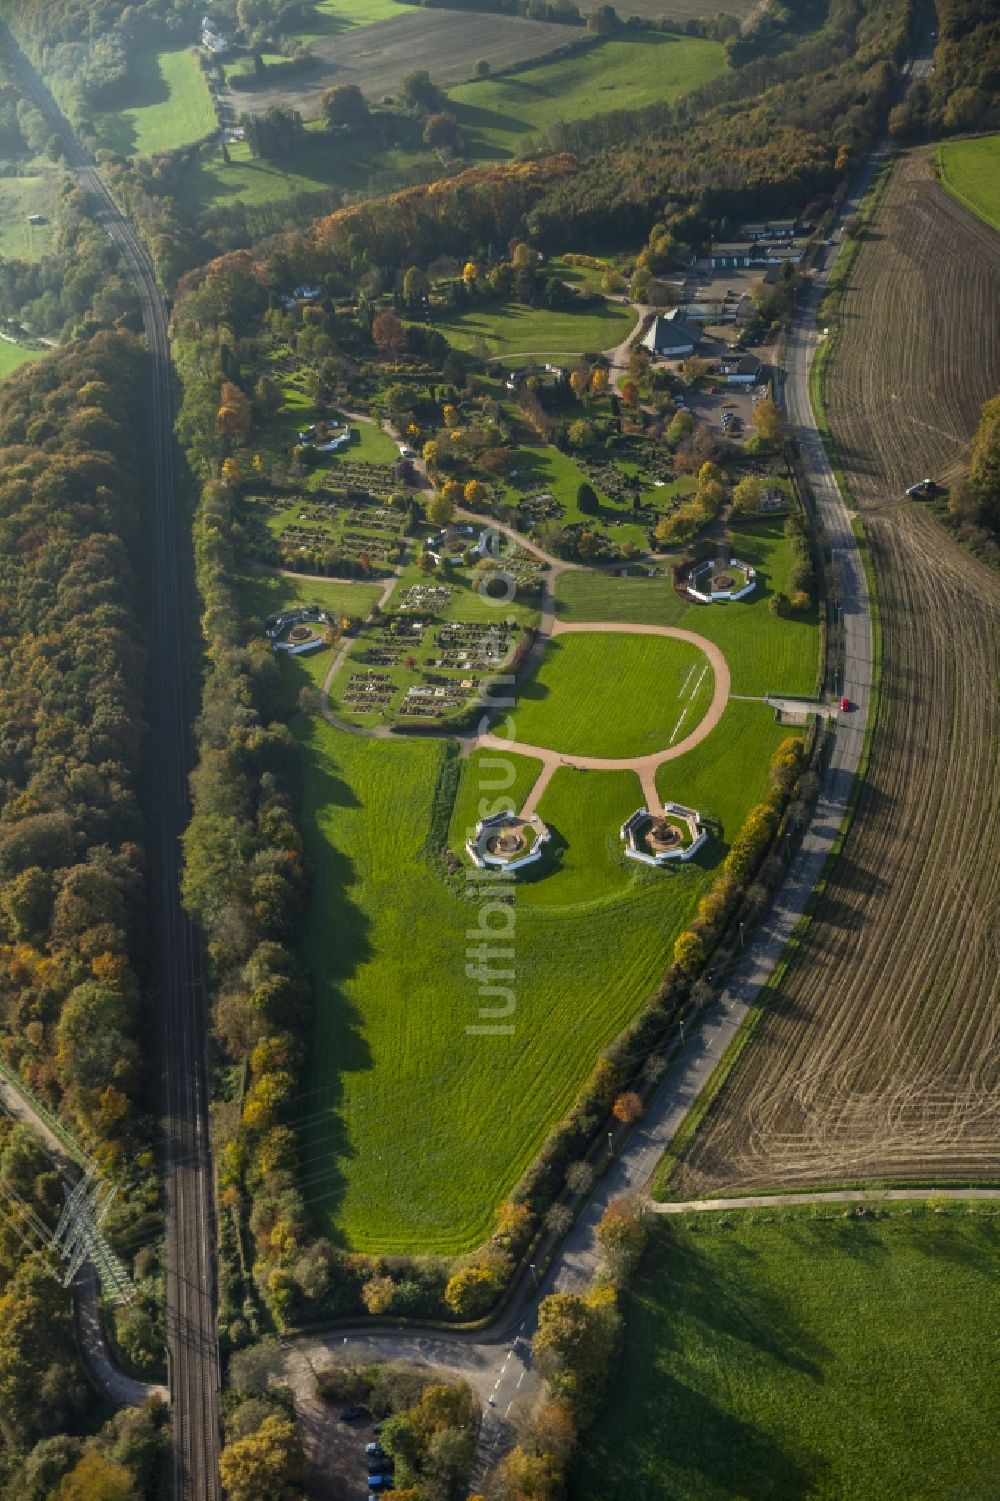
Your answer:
<point x="880" y="1056"/>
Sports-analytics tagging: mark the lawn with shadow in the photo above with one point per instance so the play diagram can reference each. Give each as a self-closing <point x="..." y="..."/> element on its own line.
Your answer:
<point x="818" y="1353"/>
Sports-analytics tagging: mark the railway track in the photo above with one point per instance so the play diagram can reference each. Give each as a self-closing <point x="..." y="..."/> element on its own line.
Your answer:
<point x="192" y="1343"/>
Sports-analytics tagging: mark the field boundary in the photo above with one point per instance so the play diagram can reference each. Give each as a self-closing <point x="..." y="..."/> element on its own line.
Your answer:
<point x="941" y="173"/>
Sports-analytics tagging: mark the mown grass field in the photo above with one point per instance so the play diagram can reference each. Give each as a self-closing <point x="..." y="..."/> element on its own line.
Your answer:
<point x="617" y="73"/>
<point x="728" y="769"/>
<point x="613" y="695"/>
<point x="512" y="328"/>
<point x="490" y="782"/>
<point x="584" y="811"/>
<point x="165" y="104"/>
<point x="806" y="1356"/>
<point x="765" y="654"/>
<point x="970" y="170"/>
<point x="415" y="1128"/>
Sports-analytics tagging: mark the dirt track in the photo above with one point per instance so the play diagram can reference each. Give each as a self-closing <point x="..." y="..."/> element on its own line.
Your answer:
<point x="880" y="1056"/>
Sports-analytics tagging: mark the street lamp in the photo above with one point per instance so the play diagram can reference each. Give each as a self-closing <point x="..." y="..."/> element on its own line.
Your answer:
<point x="611" y="1144"/>
<point x="741" y="935"/>
<point x="534" y="1274"/>
<point x="681" y="1025"/>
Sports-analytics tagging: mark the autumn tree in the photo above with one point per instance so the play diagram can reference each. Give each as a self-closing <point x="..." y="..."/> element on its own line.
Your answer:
<point x="265" y="1465"/>
<point x="748" y="495"/>
<point x="233" y="418"/>
<point x="621" y="1236"/>
<point x="767" y="420"/>
<point x="388" y="333"/>
<point x="440" y="509"/>
<point x="627" y="1107"/>
<point x="689" y="952"/>
<point x="572" y="1347"/>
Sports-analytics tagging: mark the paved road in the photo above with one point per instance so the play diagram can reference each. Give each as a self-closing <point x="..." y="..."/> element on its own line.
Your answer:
<point x="190" y="1236"/>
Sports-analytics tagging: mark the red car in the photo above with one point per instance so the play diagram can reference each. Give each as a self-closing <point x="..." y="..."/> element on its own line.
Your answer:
<point x="845" y="704"/>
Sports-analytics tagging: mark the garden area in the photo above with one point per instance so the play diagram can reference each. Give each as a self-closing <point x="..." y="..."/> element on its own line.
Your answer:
<point x="514" y="328"/>
<point x="818" y="1353"/>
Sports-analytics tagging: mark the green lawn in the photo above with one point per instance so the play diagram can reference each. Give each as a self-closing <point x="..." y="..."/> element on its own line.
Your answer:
<point x="490" y="782"/>
<point x="614" y="695"/>
<point x="970" y="170"/>
<point x="728" y="769"/>
<point x="13" y="356"/>
<point x="416" y="1127"/>
<point x="585" y="811"/>
<point x="618" y="73"/>
<point x="165" y="104"/>
<point x="765" y="654"/>
<point x="806" y="1356"/>
<point x="511" y="328"/>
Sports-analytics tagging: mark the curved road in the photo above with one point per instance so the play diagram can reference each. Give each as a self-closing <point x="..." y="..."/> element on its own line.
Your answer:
<point x="192" y="1344"/>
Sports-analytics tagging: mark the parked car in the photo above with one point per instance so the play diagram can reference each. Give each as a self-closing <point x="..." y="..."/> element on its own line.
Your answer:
<point x="375" y="1450"/>
<point x="351" y="1414"/>
<point x="379" y="1482"/>
<point x="845" y="704"/>
<point x="379" y="1464"/>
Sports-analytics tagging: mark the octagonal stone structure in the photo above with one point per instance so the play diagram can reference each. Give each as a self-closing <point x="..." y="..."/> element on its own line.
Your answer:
<point x="642" y="842"/>
<point x="505" y="841"/>
<point x="713" y="580"/>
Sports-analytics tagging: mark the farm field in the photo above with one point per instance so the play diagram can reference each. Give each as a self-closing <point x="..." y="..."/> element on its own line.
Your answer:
<point x="469" y="1111"/>
<point x="164" y="104"/>
<point x="497" y="113"/>
<point x="877" y="1057"/>
<point x="815" y="1355"/>
<point x="447" y="43"/>
<point x="613" y="695"/>
<point x="513" y="328"/>
<point x="919" y="366"/>
<point x="765" y="655"/>
<point x="970" y="170"/>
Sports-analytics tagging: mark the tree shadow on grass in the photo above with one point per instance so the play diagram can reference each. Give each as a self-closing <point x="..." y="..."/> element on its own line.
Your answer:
<point x="336" y="942"/>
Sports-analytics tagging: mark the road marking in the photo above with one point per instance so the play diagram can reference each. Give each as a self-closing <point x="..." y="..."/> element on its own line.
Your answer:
<point x="521" y="1378"/>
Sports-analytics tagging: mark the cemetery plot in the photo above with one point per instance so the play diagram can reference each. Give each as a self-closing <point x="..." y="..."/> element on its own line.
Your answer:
<point x="416" y="669"/>
<point x="325" y="530"/>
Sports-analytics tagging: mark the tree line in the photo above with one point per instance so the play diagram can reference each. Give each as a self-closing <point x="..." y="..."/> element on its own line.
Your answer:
<point x="72" y="889"/>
